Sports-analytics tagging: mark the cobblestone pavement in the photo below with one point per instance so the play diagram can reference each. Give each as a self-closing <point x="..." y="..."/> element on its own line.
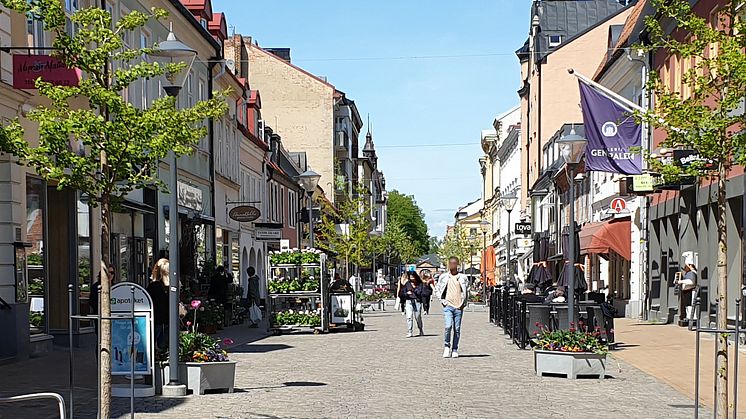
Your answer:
<point x="380" y="373"/>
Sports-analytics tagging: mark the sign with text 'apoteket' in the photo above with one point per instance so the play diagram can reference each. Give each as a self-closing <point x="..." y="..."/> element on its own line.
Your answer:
<point x="244" y="213"/>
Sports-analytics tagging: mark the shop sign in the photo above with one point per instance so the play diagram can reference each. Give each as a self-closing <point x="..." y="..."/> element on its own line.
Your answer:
<point x="130" y="344"/>
<point x="244" y="213"/>
<point x="643" y="183"/>
<point x="686" y="158"/>
<point x="268" y="234"/>
<point x="28" y="68"/>
<point x="618" y="205"/>
<point x="522" y="228"/>
<point x="190" y="196"/>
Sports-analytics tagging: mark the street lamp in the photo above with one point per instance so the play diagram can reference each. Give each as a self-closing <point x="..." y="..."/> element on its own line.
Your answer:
<point x="508" y="202"/>
<point x="484" y="225"/>
<point x="572" y="147"/>
<point x="178" y="59"/>
<point x="309" y="180"/>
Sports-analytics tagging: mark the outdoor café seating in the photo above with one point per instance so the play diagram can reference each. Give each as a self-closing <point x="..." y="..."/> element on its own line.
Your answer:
<point x="522" y="317"/>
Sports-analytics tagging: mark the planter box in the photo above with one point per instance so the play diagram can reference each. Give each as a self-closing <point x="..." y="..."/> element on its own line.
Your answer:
<point x="201" y="376"/>
<point x="571" y="364"/>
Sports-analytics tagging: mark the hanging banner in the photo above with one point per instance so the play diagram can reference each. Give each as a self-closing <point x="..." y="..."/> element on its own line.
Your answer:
<point x="611" y="131"/>
<point x="28" y="68"/>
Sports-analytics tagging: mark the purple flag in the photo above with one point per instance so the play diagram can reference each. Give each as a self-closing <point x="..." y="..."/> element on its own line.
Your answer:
<point x="611" y="131"/>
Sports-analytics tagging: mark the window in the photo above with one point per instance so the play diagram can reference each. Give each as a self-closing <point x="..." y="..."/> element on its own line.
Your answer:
<point x="554" y="40"/>
<point x="292" y="208"/>
<point x="203" y="22"/>
<point x="35" y="31"/>
<point x="71" y="6"/>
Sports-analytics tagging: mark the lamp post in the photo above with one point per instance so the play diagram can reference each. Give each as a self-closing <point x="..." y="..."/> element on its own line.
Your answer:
<point x="508" y="202"/>
<point x="484" y="225"/>
<point x="178" y="59"/>
<point x="309" y="180"/>
<point x="572" y="147"/>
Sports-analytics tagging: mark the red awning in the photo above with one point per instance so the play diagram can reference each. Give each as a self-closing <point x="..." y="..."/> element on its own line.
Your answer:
<point x="606" y="236"/>
<point x="488" y="265"/>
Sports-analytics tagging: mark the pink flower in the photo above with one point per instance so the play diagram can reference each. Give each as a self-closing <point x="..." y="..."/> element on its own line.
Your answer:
<point x="227" y="341"/>
<point x="196" y="304"/>
<point x="189" y="323"/>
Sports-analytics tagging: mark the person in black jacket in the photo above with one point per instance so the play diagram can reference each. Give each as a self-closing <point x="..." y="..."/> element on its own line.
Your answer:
<point x="411" y="294"/>
<point x="158" y="290"/>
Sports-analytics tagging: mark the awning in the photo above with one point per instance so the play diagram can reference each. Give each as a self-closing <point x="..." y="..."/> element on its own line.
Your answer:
<point x="606" y="236"/>
<point x="488" y="265"/>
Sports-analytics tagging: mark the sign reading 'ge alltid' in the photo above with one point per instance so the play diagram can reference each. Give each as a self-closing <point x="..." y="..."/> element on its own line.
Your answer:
<point x="28" y="68"/>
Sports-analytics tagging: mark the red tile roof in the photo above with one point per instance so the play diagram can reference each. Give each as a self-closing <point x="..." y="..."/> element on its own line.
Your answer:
<point x="218" y="26"/>
<point x="635" y="15"/>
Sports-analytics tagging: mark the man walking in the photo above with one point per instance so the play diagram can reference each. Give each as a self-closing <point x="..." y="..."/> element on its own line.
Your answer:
<point x="453" y="291"/>
<point x="252" y="297"/>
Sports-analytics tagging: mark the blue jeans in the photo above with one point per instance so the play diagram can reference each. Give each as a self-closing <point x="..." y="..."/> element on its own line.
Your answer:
<point x="414" y="315"/>
<point x="452" y="317"/>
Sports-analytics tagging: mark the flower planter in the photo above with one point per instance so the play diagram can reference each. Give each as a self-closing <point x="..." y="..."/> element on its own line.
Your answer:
<point x="571" y="364"/>
<point x="201" y="376"/>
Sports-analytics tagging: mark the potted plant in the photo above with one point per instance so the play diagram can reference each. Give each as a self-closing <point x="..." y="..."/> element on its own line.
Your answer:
<point x="204" y="363"/>
<point x="206" y="315"/>
<point x="570" y="352"/>
<point x="297" y="318"/>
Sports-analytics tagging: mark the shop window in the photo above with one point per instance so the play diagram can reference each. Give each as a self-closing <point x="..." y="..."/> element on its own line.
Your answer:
<point x="85" y="277"/>
<point x="235" y="260"/>
<point x="35" y="259"/>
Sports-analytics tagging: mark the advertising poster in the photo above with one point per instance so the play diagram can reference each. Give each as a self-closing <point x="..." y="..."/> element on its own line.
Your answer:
<point x="121" y="343"/>
<point x="341" y="308"/>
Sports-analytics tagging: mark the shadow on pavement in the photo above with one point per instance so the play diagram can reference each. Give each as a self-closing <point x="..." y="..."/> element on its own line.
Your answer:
<point x="474" y="356"/>
<point x="259" y="348"/>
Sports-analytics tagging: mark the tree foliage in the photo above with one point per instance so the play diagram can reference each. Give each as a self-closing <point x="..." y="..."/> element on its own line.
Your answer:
<point x="403" y="210"/>
<point x="345" y="230"/>
<point x="395" y="244"/>
<point x="458" y="243"/>
<point x="90" y="138"/>
<point x="703" y="112"/>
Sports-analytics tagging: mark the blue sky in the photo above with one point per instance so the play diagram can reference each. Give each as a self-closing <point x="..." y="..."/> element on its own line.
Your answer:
<point x="415" y="104"/>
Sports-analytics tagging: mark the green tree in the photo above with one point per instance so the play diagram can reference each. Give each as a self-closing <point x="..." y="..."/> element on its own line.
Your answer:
<point x="395" y="245"/>
<point x="122" y="145"/>
<point x="345" y="230"/>
<point x="458" y="243"/>
<point x="403" y="210"/>
<point x="702" y="113"/>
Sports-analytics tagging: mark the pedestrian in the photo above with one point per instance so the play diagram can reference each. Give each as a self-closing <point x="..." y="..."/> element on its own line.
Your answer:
<point x="453" y="291"/>
<point x="412" y="293"/>
<point x="219" y="285"/>
<point x="402" y="281"/>
<point x="429" y="283"/>
<point x="687" y="293"/>
<point x="252" y="297"/>
<point x="158" y="291"/>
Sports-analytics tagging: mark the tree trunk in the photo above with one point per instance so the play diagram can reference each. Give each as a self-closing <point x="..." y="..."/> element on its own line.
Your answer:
<point x="105" y="327"/>
<point x="721" y="382"/>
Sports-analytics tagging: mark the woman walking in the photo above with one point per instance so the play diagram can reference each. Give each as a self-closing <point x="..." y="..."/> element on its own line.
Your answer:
<point x="412" y="293"/>
<point x="429" y="287"/>
<point x="158" y="290"/>
<point x="399" y="285"/>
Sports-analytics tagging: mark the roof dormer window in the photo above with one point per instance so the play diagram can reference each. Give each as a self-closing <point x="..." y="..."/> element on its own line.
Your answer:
<point x="554" y="40"/>
<point x="203" y="22"/>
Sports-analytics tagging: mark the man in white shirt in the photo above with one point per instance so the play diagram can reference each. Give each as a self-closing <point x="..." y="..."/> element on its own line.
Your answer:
<point x="453" y="291"/>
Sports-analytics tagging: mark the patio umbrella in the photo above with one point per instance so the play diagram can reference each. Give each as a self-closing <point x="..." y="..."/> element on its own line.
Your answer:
<point x="540" y="275"/>
<point x="581" y="285"/>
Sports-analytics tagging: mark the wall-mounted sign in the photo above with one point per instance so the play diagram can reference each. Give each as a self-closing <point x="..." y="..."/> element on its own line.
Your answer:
<point x="686" y="158"/>
<point x="522" y="228"/>
<point x="268" y="234"/>
<point x="190" y="196"/>
<point x="28" y="68"/>
<point x="643" y="183"/>
<point x="244" y="213"/>
<point x="618" y="205"/>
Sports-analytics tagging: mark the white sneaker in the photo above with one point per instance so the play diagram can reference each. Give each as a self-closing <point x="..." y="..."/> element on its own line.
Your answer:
<point x="447" y="353"/>
<point x="409" y="335"/>
<point x="454" y="354"/>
